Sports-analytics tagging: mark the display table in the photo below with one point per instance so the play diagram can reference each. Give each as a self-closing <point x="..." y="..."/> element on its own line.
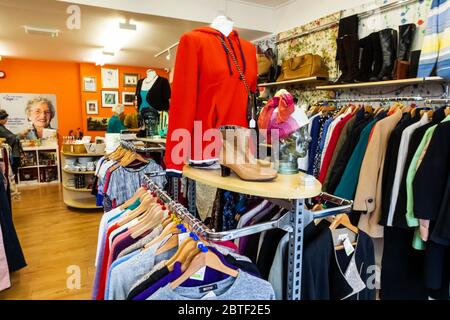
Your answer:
<point x="78" y="196"/>
<point x="40" y="165"/>
<point x="283" y="187"/>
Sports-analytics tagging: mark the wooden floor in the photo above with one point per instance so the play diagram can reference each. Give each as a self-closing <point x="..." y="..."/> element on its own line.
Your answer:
<point x="53" y="238"/>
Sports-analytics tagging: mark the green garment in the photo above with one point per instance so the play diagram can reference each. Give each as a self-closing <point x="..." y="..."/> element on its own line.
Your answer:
<point x="412" y="221"/>
<point x="115" y="125"/>
<point x="349" y="181"/>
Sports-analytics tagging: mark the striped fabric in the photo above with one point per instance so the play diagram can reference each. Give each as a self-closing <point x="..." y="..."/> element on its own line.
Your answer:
<point x="436" y="45"/>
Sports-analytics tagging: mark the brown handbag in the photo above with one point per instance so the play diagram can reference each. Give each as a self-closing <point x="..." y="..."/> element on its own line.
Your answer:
<point x="264" y="64"/>
<point x="305" y="66"/>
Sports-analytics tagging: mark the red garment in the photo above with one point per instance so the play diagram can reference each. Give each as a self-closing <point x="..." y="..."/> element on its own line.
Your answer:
<point x="207" y="88"/>
<point x="105" y="258"/>
<point x="332" y="146"/>
<point x="228" y="244"/>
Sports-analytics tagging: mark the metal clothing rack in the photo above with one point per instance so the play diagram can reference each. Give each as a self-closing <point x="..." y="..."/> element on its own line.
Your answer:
<point x="427" y="100"/>
<point x="293" y="221"/>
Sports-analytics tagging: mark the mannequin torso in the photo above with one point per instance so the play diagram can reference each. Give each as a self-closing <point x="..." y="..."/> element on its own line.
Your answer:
<point x="149" y="81"/>
<point x="223" y="24"/>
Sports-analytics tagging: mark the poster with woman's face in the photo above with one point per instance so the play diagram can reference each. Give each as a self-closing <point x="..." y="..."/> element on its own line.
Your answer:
<point x="35" y="112"/>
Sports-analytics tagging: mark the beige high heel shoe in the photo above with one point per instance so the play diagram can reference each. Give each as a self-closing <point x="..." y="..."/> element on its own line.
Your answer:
<point x="236" y="156"/>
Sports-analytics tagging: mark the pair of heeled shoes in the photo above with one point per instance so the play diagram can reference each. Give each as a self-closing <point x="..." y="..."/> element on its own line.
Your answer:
<point x="236" y="156"/>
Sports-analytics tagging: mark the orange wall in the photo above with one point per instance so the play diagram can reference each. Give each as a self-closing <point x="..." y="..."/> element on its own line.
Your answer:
<point x="90" y="70"/>
<point x="59" y="78"/>
<point x="64" y="80"/>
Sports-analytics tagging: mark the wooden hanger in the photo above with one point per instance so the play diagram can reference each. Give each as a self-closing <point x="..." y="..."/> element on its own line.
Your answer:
<point x="343" y="220"/>
<point x="139" y="192"/>
<point x="170" y="228"/>
<point x="447" y="111"/>
<point x="144" y="220"/>
<point x="146" y="201"/>
<point x="186" y="247"/>
<point x="155" y="221"/>
<point x="204" y="259"/>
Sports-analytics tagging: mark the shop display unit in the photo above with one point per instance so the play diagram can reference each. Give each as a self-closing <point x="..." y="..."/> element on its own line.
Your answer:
<point x="77" y="184"/>
<point x="40" y="165"/>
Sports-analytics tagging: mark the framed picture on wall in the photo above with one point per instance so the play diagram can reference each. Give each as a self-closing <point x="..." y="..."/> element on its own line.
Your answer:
<point x="110" y="98"/>
<point x="128" y="98"/>
<point x="130" y="79"/>
<point x="90" y="84"/>
<point x="110" y="78"/>
<point x="91" y="107"/>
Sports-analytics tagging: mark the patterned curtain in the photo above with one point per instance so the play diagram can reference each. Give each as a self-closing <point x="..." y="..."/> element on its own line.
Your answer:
<point x="321" y="42"/>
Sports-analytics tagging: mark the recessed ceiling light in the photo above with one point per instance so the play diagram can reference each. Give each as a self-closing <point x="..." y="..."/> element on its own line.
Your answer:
<point x="42" y="31"/>
<point x="127" y="25"/>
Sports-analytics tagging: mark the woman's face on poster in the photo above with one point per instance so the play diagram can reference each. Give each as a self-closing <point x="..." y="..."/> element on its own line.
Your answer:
<point x="40" y="115"/>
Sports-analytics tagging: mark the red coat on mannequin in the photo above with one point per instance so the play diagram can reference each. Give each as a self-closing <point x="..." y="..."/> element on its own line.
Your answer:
<point x="207" y="88"/>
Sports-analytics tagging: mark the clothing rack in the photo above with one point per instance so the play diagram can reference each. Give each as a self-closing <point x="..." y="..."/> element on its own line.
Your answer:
<point x="293" y="222"/>
<point x="391" y="99"/>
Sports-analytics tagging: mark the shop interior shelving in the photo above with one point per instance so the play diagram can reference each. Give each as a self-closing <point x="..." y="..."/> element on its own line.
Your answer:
<point x="40" y="166"/>
<point x="78" y="197"/>
<point x="303" y="81"/>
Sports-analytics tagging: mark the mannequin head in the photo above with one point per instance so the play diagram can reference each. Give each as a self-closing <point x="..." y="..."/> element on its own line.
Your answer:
<point x="292" y="148"/>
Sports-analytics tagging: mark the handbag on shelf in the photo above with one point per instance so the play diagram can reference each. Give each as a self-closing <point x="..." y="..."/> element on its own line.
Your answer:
<point x="304" y="66"/>
<point x="264" y="64"/>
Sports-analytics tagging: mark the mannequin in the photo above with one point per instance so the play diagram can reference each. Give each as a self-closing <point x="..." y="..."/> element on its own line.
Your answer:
<point x="223" y="24"/>
<point x="149" y="80"/>
<point x="152" y="94"/>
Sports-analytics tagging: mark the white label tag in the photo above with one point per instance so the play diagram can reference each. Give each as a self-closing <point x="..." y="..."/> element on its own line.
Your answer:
<point x="343" y="236"/>
<point x="252" y="123"/>
<point x="182" y="237"/>
<point x="209" y="296"/>
<point x="199" y="275"/>
<point x="348" y="246"/>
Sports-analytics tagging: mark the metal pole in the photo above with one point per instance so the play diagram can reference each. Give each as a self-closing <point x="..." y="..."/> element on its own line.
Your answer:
<point x="295" y="249"/>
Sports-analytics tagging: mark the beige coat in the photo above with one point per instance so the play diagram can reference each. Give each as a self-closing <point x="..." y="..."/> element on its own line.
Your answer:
<point x="368" y="193"/>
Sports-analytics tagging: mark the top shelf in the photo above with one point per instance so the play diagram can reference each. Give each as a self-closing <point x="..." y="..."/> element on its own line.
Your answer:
<point x="82" y="154"/>
<point x="401" y="82"/>
<point x="39" y="148"/>
<point x="283" y="187"/>
<point x="310" y="80"/>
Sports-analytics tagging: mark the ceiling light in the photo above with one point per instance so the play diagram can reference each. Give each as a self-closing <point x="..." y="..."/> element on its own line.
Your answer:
<point x="127" y="25"/>
<point x="42" y="32"/>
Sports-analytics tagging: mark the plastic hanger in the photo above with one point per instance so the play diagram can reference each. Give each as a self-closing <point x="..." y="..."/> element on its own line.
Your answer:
<point x="206" y="258"/>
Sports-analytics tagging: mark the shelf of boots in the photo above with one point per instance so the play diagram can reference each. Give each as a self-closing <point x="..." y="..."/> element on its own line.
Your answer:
<point x="283" y="187"/>
<point x="303" y="81"/>
<point x="402" y="82"/>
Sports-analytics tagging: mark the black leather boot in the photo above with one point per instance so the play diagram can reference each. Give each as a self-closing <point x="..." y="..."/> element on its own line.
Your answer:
<point x="388" y="41"/>
<point x="365" y="68"/>
<point x="406" y="36"/>
<point x="351" y="44"/>
<point x="377" y="56"/>
<point x="341" y="57"/>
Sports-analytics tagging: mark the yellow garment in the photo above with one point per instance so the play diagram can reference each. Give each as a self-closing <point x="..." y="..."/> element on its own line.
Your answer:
<point x="131" y="121"/>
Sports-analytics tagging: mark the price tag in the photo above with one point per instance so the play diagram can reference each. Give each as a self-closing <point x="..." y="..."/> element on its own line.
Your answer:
<point x="199" y="275"/>
<point x="348" y="246"/>
<point x="182" y="237"/>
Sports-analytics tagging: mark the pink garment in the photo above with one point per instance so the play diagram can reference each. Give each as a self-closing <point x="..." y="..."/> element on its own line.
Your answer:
<point x="5" y="282"/>
<point x="229" y="244"/>
<point x="116" y="240"/>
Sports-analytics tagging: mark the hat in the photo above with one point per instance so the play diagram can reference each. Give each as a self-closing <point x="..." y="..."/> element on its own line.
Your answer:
<point x="281" y="114"/>
<point x="3" y="114"/>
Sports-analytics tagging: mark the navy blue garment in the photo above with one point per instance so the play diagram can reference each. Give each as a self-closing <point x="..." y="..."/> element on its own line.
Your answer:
<point x="316" y="125"/>
<point x="13" y="250"/>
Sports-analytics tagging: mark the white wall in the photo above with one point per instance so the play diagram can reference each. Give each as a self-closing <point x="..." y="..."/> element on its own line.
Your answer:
<point x="300" y="12"/>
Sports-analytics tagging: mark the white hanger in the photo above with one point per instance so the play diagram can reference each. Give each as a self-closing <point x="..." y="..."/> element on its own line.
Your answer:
<point x="223" y="24"/>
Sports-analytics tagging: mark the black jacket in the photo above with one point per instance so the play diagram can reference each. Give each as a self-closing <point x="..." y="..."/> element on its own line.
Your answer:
<point x="158" y="96"/>
<point x="390" y="163"/>
<point x="323" y="278"/>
